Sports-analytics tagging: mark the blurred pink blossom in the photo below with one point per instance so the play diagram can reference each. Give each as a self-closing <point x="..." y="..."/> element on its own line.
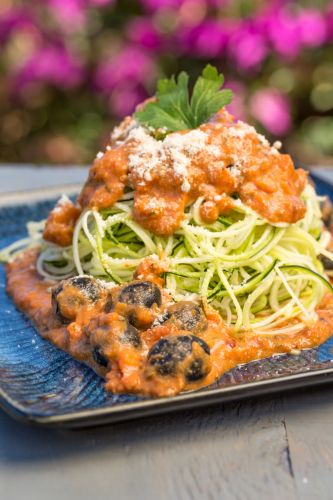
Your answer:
<point x="14" y="19"/>
<point x="237" y="106"/>
<point x="207" y="39"/>
<point x="69" y="13"/>
<point x="217" y="3"/>
<point x="73" y="14"/>
<point x="124" y="98"/>
<point x="161" y="4"/>
<point x="312" y="27"/>
<point x="247" y="47"/>
<point x="131" y="64"/>
<point x="38" y="43"/>
<point x="51" y="64"/>
<point x="142" y="31"/>
<point x="284" y="33"/>
<point x="272" y="109"/>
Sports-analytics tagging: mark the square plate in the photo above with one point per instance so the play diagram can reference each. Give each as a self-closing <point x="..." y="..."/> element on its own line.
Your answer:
<point x="41" y="384"/>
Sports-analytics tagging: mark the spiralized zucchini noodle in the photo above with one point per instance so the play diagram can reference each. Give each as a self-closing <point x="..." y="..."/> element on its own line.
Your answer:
<point x="262" y="278"/>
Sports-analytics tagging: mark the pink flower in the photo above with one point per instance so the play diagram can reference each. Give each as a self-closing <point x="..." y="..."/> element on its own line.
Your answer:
<point x="51" y="64"/>
<point x="73" y="14"/>
<point x="161" y="4"/>
<point x="70" y="14"/>
<point x="207" y="39"/>
<point x="124" y="99"/>
<point x="142" y="31"/>
<point x="247" y="47"/>
<point x="284" y="32"/>
<point x="237" y="105"/>
<point x="217" y="3"/>
<point x="272" y="109"/>
<point x="312" y="27"/>
<point x="14" y="19"/>
<point x="131" y="64"/>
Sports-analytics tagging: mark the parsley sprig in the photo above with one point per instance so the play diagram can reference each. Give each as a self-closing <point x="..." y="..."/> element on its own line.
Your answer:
<point x="174" y="109"/>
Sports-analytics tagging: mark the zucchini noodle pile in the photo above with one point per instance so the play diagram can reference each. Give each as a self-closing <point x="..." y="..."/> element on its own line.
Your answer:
<point x="262" y="278"/>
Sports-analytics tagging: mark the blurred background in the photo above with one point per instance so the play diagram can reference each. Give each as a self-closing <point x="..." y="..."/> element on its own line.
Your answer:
<point x="70" y="69"/>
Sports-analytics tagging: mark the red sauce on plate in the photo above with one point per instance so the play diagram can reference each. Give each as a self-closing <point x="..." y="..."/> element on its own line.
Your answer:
<point x="162" y="348"/>
<point x="125" y="364"/>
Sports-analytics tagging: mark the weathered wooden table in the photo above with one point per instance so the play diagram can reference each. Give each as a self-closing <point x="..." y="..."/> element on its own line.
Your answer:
<point x="271" y="448"/>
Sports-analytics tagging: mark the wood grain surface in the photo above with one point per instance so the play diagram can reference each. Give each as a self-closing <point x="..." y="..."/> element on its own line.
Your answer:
<point x="270" y="448"/>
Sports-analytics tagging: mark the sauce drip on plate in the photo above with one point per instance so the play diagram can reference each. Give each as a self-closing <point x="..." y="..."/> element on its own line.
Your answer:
<point x="117" y="339"/>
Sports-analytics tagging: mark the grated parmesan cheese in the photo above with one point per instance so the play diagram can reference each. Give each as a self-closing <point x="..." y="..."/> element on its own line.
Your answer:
<point x="107" y="284"/>
<point x="153" y="204"/>
<point x="64" y="200"/>
<point x="235" y="171"/>
<point x="186" y="186"/>
<point x="150" y="158"/>
<point x="175" y="151"/>
<point x="120" y="134"/>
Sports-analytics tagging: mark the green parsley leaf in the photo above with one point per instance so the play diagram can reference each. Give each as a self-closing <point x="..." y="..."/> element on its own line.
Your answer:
<point x="174" y="110"/>
<point x="207" y="98"/>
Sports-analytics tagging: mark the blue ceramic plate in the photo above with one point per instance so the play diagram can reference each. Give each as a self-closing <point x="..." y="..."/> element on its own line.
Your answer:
<point x="41" y="384"/>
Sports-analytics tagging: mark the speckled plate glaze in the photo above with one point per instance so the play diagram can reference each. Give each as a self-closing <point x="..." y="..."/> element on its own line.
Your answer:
<point x="41" y="384"/>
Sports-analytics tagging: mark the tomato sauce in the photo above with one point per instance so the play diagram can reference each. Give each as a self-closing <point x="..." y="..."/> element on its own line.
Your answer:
<point x="59" y="227"/>
<point x="230" y="160"/>
<point x="157" y="347"/>
<point x="124" y="364"/>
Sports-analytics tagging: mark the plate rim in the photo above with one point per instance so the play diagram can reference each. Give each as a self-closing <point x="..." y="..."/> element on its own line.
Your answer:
<point x="155" y="406"/>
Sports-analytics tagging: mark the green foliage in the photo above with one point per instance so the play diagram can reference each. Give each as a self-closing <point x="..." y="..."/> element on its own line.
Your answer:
<point x="174" y="110"/>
